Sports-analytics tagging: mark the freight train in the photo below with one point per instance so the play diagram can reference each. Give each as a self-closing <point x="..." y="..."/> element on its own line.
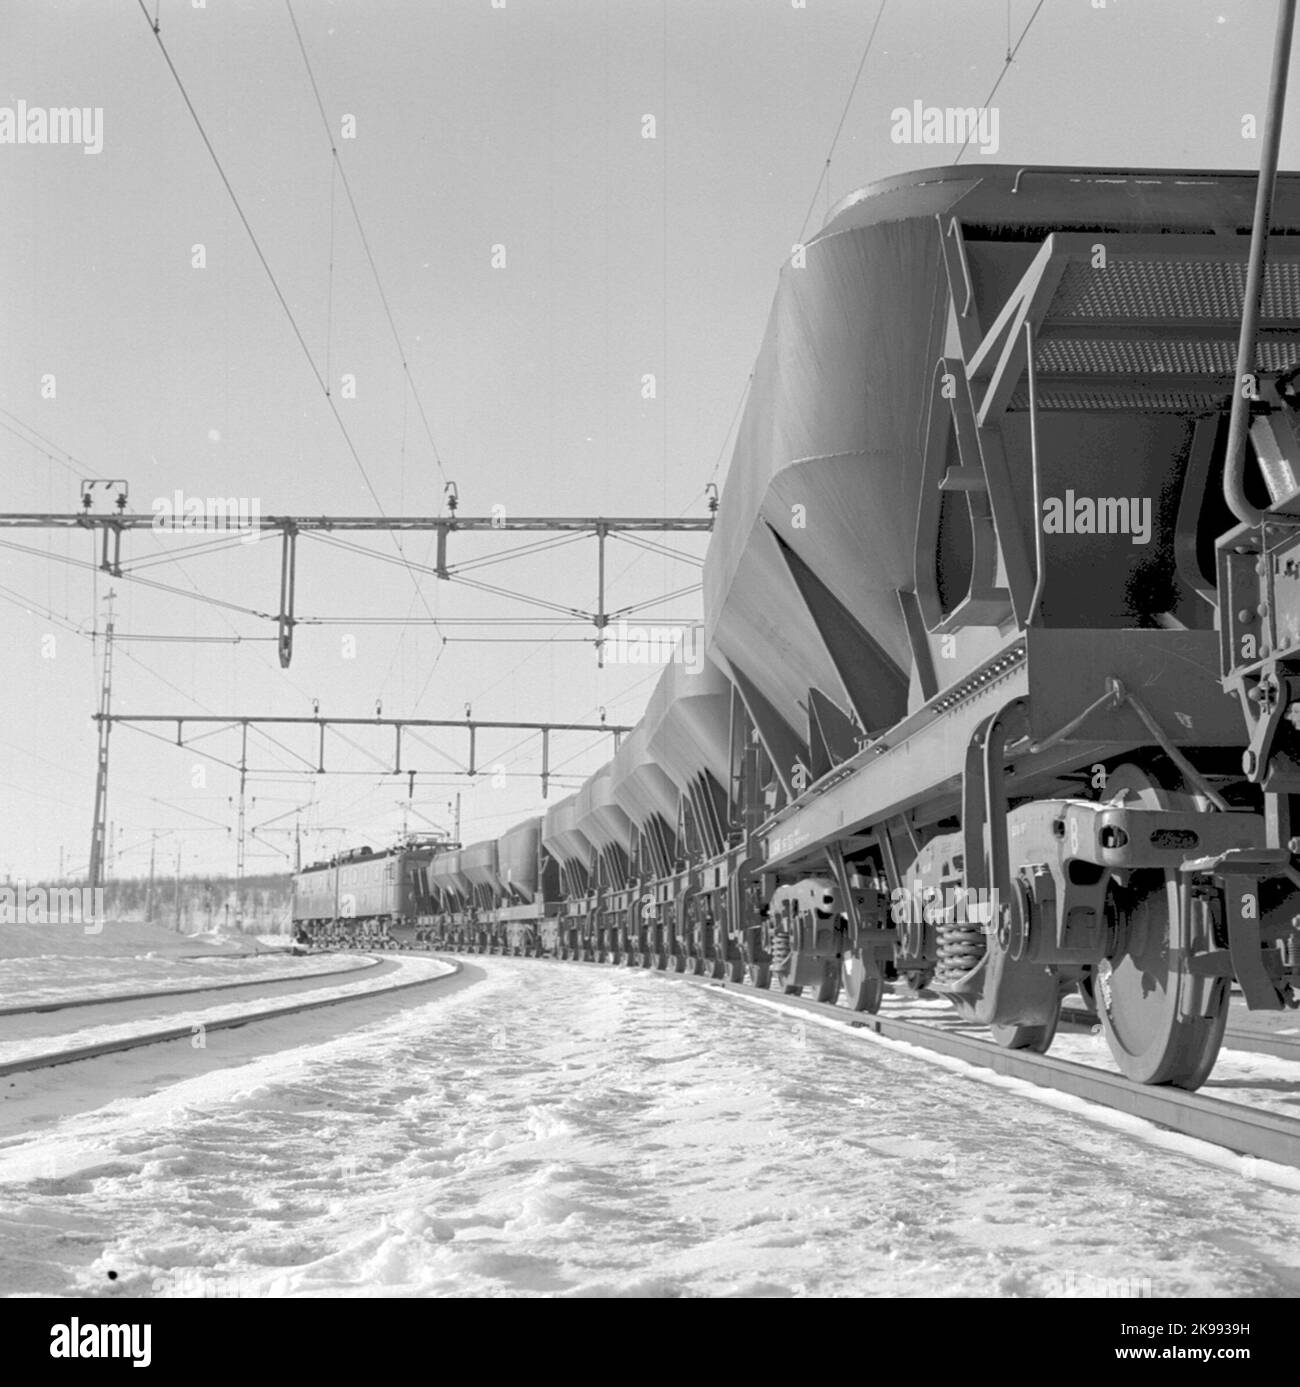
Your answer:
<point x="1002" y="686"/>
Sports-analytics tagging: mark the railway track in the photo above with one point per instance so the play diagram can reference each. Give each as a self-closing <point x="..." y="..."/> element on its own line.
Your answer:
<point x="115" y="998"/>
<point x="1280" y="1044"/>
<point x="158" y="1035"/>
<point x="1233" y="1126"/>
<point x="1264" y="1136"/>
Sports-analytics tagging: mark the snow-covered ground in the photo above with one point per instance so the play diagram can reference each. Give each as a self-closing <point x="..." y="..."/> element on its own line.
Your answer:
<point x="124" y="939"/>
<point x="555" y="1129"/>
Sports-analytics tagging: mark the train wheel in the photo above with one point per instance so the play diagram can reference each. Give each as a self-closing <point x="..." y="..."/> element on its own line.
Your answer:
<point x="828" y="989"/>
<point x="1164" y="1025"/>
<point x="864" y="988"/>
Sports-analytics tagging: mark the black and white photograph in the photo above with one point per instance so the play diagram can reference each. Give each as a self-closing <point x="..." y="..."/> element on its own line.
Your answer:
<point x="652" y="651"/>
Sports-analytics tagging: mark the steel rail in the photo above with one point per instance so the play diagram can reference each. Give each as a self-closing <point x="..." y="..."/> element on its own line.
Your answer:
<point x="113" y="998"/>
<point x="135" y="1042"/>
<point x="1265" y="1136"/>
<point x="1286" y="1047"/>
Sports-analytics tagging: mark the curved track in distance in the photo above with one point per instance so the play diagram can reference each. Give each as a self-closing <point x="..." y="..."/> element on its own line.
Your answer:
<point x="159" y="1035"/>
<point x="117" y="998"/>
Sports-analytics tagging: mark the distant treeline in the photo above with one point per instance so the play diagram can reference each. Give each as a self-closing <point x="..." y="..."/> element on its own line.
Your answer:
<point x="200" y="903"/>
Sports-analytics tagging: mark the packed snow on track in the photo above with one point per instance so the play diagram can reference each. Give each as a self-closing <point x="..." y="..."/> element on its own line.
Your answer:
<point x="540" y="1128"/>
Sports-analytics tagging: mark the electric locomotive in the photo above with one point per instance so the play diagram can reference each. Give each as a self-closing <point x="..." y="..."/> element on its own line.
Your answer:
<point x="365" y="898"/>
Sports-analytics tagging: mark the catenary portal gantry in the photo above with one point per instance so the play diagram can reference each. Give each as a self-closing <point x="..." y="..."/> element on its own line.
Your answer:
<point x="113" y="525"/>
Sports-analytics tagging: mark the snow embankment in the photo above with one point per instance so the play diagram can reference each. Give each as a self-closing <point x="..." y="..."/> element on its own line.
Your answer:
<point x="120" y="937"/>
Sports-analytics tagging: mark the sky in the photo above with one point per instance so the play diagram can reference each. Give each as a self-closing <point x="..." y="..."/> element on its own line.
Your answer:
<point x="478" y="131"/>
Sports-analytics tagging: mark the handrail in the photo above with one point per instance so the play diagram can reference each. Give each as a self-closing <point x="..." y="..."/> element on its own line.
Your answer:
<point x="1234" y="490"/>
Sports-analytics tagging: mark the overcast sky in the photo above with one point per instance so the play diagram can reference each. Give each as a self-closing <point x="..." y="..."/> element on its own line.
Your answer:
<point x="475" y="127"/>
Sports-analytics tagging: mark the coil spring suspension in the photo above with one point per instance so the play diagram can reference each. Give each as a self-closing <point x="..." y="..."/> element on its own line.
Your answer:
<point x="780" y="950"/>
<point x="961" y="946"/>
